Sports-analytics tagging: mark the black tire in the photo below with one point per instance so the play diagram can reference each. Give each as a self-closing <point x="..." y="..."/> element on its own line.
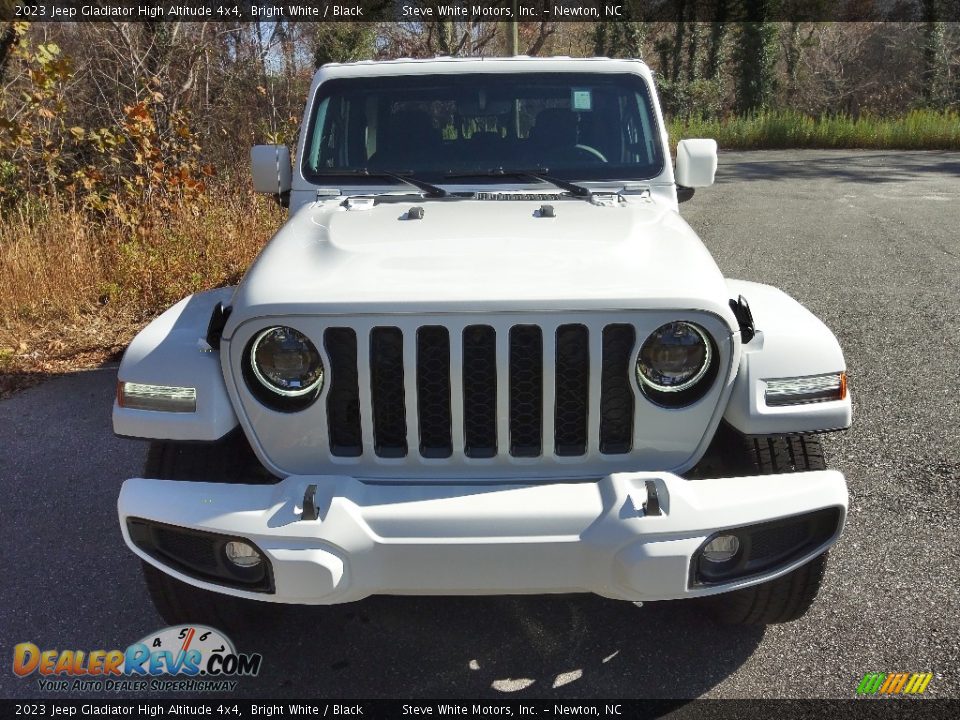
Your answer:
<point x="227" y="460"/>
<point x="788" y="597"/>
<point x="777" y="601"/>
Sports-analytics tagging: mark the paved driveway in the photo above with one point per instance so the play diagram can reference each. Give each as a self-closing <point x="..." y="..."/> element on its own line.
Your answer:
<point x="867" y="240"/>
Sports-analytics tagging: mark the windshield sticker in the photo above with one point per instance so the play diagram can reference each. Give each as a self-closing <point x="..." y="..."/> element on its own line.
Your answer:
<point x="582" y="99"/>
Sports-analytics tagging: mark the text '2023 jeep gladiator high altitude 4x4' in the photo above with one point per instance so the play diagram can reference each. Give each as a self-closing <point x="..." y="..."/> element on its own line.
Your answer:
<point x="484" y="355"/>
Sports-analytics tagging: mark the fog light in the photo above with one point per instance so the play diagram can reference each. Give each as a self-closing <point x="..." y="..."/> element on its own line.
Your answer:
<point x="241" y="554"/>
<point x="721" y="548"/>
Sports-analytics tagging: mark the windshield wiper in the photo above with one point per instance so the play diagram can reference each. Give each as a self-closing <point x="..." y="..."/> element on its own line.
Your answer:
<point x="432" y="191"/>
<point x="537" y="174"/>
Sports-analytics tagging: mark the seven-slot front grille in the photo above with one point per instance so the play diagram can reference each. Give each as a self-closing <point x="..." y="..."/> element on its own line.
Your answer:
<point x="541" y="379"/>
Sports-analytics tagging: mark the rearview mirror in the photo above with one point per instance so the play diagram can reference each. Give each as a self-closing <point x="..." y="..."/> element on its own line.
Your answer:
<point x="696" y="163"/>
<point x="271" y="170"/>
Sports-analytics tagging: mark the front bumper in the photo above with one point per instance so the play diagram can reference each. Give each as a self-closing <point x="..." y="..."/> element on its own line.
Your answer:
<point x="482" y="539"/>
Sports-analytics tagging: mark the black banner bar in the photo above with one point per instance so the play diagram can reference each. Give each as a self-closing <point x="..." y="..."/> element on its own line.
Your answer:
<point x="863" y="708"/>
<point x="416" y="11"/>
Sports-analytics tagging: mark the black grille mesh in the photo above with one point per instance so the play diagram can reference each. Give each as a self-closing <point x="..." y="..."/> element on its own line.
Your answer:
<point x="480" y="391"/>
<point x="526" y="390"/>
<point x="343" y="398"/>
<point x="616" y="395"/>
<point x="386" y="389"/>
<point x="197" y="551"/>
<point x="573" y="390"/>
<point x="433" y="391"/>
<point x="770" y="544"/>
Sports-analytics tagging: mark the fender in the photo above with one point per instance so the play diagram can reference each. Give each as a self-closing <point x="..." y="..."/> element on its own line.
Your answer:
<point x="790" y="342"/>
<point x="172" y="350"/>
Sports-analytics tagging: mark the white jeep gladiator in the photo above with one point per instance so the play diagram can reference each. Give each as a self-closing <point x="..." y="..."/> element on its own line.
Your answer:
<point x="484" y="355"/>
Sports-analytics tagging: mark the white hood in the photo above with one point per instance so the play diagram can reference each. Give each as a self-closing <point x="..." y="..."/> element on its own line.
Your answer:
<point x="481" y="255"/>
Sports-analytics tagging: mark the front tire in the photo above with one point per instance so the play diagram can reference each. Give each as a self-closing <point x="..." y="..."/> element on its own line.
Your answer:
<point x="776" y="601"/>
<point x="788" y="597"/>
<point x="228" y="460"/>
<point x="178" y="603"/>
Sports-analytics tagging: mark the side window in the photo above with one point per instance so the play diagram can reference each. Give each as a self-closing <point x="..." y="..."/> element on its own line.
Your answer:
<point x="638" y="139"/>
<point x="316" y="139"/>
<point x="343" y="139"/>
<point x="372" y="121"/>
<point x="632" y="134"/>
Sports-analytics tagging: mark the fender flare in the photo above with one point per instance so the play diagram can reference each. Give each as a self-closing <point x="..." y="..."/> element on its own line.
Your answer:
<point x="790" y="341"/>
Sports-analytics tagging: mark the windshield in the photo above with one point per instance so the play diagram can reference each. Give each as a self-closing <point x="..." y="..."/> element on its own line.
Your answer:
<point x="576" y="126"/>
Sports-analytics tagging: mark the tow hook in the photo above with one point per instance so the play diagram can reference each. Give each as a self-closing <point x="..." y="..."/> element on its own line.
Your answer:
<point x="310" y="510"/>
<point x="652" y="505"/>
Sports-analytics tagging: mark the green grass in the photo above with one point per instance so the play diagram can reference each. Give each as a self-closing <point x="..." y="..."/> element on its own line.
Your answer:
<point x="918" y="130"/>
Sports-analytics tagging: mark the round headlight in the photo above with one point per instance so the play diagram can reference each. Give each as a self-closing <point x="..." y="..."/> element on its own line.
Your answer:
<point x="286" y="362"/>
<point x="674" y="358"/>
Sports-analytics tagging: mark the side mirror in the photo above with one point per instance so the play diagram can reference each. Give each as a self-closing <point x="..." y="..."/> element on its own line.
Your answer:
<point x="696" y="163"/>
<point x="271" y="171"/>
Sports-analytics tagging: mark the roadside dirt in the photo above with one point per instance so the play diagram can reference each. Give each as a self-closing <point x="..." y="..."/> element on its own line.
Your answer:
<point x="30" y="354"/>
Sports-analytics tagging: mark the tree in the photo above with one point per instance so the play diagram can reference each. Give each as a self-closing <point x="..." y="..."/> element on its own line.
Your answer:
<point x="935" y="71"/>
<point x="342" y="42"/>
<point x="755" y="57"/>
<point x="620" y="38"/>
<point x="10" y="33"/>
<point x="718" y="33"/>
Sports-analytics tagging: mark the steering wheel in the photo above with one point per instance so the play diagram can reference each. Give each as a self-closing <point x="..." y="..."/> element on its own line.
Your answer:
<point x="590" y="153"/>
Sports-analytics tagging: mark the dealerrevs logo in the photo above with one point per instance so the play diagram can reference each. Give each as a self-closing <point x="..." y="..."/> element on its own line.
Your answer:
<point x="188" y="658"/>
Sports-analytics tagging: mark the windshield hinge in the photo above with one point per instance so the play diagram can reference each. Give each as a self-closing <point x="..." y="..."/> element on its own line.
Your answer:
<point x="605" y="199"/>
<point x="327" y="193"/>
<point x="360" y="203"/>
<point x="641" y="191"/>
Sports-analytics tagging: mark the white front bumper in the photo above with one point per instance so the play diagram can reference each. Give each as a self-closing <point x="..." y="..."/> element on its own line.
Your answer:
<point x="477" y="539"/>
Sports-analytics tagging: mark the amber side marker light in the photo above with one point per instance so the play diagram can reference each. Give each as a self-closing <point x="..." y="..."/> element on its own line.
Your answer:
<point x="163" y="398"/>
<point x="807" y="389"/>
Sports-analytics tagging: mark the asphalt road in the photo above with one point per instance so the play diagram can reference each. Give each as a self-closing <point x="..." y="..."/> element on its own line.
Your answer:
<point x="867" y="240"/>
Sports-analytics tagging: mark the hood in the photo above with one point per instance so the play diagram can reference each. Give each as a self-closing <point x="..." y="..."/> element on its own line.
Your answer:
<point x="481" y="255"/>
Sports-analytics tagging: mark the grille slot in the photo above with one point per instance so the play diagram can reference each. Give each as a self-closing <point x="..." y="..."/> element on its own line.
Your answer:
<point x="526" y="390"/>
<point x="387" y="395"/>
<point x="343" y="398"/>
<point x="573" y="390"/>
<point x="480" y="391"/>
<point x="433" y="391"/>
<point x="616" y="395"/>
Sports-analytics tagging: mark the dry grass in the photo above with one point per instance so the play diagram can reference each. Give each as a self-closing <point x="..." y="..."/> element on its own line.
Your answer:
<point x="917" y="130"/>
<point x="74" y="290"/>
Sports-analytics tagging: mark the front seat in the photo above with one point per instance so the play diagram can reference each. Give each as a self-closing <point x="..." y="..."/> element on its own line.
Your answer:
<point x="406" y="141"/>
<point x="553" y="139"/>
